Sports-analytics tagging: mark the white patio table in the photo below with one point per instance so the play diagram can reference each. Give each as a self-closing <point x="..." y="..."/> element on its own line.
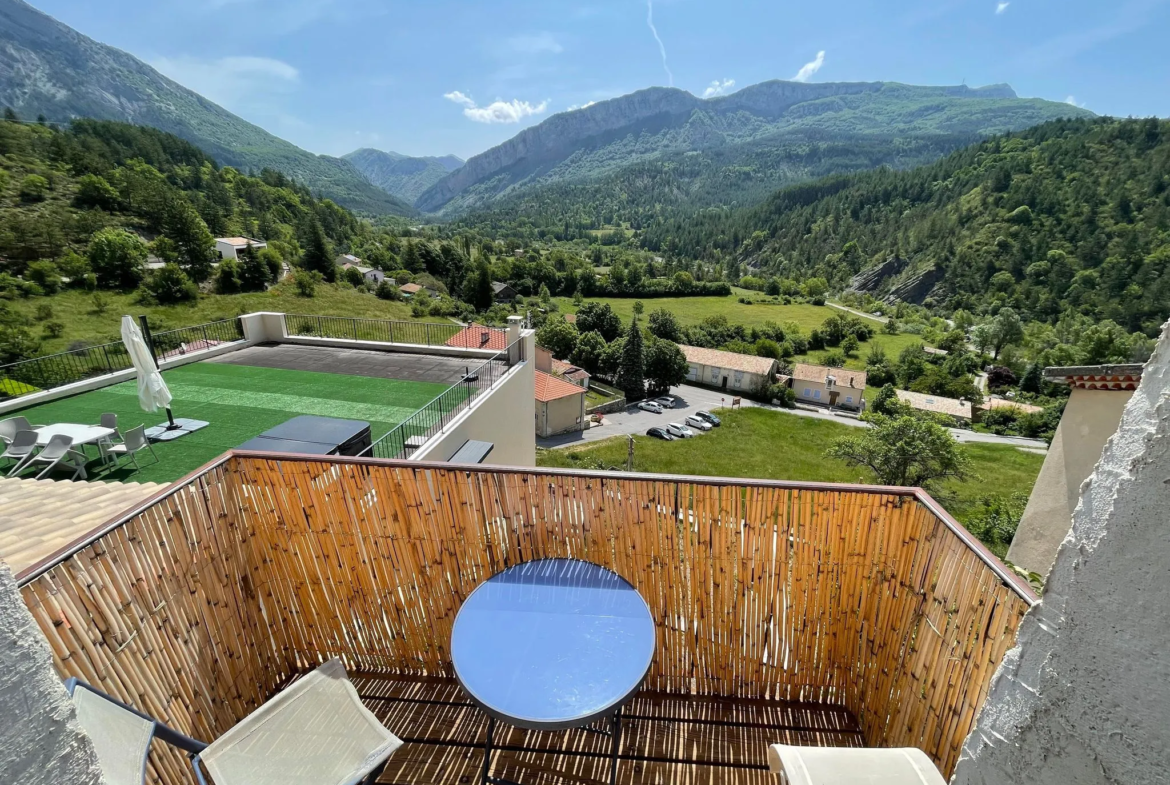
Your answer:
<point x="81" y="434"/>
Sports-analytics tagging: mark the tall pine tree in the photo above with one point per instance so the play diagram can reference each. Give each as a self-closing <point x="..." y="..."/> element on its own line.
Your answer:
<point x="631" y="376"/>
<point x="318" y="255"/>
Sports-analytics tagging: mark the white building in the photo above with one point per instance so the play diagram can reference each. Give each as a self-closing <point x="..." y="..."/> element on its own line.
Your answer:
<point x="728" y="370"/>
<point x="230" y="247"/>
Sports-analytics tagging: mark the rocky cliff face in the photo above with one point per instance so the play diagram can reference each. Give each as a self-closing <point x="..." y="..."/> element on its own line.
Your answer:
<point x="872" y="280"/>
<point x="401" y="175"/>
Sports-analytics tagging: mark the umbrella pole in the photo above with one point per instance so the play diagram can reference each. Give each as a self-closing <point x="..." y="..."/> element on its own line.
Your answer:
<point x="145" y="327"/>
<point x="171" y="420"/>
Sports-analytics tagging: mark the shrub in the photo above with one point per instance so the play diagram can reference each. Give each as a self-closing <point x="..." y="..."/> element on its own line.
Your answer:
<point x="46" y="275"/>
<point x="835" y="359"/>
<point x="305" y="282"/>
<point x="118" y="258"/>
<point x="170" y="285"/>
<point x="101" y="303"/>
<point x="34" y="188"/>
<point x="353" y="277"/>
<point x="227" y="278"/>
<point x="419" y="307"/>
<point x="387" y="291"/>
<point x="95" y="191"/>
<point x="54" y="329"/>
<point x="43" y="311"/>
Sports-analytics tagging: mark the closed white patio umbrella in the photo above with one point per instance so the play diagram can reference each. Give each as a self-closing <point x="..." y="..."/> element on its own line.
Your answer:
<point x="153" y="393"/>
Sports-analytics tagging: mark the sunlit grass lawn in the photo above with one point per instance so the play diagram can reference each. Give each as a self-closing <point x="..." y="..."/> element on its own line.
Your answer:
<point x="764" y="444"/>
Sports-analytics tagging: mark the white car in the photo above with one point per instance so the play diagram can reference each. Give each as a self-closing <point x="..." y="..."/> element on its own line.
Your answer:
<point x="698" y="423"/>
<point x="650" y="406"/>
<point x="679" y="431"/>
<point x="666" y="401"/>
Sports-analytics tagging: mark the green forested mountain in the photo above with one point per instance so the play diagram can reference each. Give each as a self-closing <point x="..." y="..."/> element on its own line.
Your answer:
<point x="49" y="69"/>
<point x="1070" y="216"/>
<point x="644" y="126"/>
<point x="402" y="175"/>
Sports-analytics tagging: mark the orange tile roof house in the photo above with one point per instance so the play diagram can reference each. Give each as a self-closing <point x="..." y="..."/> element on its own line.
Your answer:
<point x="560" y="405"/>
<point x="478" y="336"/>
<point x="821" y="385"/>
<point x="727" y="370"/>
<point x="937" y="404"/>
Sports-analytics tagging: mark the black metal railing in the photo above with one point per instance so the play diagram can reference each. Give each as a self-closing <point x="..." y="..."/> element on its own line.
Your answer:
<point x="169" y="344"/>
<point x="375" y="330"/>
<point x="57" y="370"/>
<point x="413" y="432"/>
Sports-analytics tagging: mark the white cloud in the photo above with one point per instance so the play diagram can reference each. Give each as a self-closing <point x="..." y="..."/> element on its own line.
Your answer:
<point x="1002" y="6"/>
<point x="230" y="80"/>
<point x="538" y="44"/>
<point x="585" y="105"/>
<point x="1072" y="100"/>
<point x="661" y="46"/>
<point x="808" y="69"/>
<point x="498" y="111"/>
<point x="719" y="88"/>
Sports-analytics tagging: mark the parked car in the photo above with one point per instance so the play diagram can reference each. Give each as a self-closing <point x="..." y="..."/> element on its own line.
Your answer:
<point x="660" y="433"/>
<point x="650" y="406"/>
<point x="667" y="401"/>
<point x="709" y="418"/>
<point x="679" y="431"/>
<point x="698" y="423"/>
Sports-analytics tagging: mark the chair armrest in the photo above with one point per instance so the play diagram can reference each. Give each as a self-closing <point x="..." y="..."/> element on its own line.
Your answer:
<point x="161" y="731"/>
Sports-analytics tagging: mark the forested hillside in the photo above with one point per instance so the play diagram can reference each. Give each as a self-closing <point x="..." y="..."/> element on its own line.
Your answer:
<point x="400" y="175"/>
<point x="49" y="69"/>
<point x="642" y="127"/>
<point x="1068" y="216"/>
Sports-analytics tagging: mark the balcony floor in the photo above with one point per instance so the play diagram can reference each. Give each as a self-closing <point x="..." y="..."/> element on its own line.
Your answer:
<point x="665" y="738"/>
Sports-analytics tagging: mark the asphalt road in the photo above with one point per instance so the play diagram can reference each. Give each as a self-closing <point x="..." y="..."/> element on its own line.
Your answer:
<point x="691" y="399"/>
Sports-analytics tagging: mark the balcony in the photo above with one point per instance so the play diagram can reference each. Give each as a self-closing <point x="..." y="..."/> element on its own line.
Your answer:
<point x="805" y="613"/>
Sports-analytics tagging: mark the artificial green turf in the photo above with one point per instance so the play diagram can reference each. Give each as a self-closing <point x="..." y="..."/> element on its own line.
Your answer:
<point x="240" y="402"/>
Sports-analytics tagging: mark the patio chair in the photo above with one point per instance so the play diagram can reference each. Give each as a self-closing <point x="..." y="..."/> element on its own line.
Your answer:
<point x="133" y="442"/>
<point x="58" y="450"/>
<point x="315" y="732"/>
<point x="853" y="766"/>
<point x="12" y="426"/>
<point x="22" y="446"/>
<point x="109" y="420"/>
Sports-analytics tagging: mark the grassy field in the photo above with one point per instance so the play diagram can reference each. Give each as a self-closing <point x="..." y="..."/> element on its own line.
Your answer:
<point x="76" y="311"/>
<point x="240" y="402"/>
<point x="691" y="311"/>
<point x="764" y="444"/>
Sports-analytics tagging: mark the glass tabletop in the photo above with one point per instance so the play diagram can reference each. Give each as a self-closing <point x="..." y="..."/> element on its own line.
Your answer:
<point x="554" y="643"/>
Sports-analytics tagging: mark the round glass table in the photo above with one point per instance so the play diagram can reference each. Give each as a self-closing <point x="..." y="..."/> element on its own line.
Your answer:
<point x="550" y="645"/>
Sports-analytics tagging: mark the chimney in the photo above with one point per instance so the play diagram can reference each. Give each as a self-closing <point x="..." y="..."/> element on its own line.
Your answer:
<point x="484" y="337"/>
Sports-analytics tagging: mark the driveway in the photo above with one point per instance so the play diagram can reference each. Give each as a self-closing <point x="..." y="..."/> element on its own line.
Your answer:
<point x="691" y="399"/>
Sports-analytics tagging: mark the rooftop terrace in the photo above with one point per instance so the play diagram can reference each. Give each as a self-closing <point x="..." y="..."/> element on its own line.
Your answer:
<point x="818" y="614"/>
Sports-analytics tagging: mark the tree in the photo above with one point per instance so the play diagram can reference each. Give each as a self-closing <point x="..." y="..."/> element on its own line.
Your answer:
<point x="118" y="258"/>
<point x="639" y="307"/>
<point x="599" y="317"/>
<point x="95" y="191"/>
<point x="1006" y="329"/>
<point x="850" y="345"/>
<point x="255" y="272"/>
<point x="631" y="376"/>
<point x="227" y="277"/>
<point x="666" y="365"/>
<point x="904" y="450"/>
<point x="815" y="287"/>
<point x="170" y="285"/>
<point x="964" y="320"/>
<point x="588" y="352"/>
<point x="477" y="290"/>
<point x="193" y="242"/>
<point x="1032" y="379"/>
<point x="353" y="277"/>
<point x="306" y="282"/>
<point x="664" y="325"/>
<point x="911" y="364"/>
<point x="318" y="255"/>
<point x="45" y="275"/>
<point x="34" y="188"/>
<point x="386" y="291"/>
<point x="888" y="403"/>
<point x="412" y="260"/>
<point x="558" y="336"/>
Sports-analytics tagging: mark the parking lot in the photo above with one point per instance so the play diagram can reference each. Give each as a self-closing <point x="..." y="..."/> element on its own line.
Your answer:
<point x="634" y="420"/>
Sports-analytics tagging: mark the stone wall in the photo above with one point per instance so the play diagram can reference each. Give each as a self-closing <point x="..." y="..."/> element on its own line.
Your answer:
<point x="1084" y="698"/>
<point x="40" y="740"/>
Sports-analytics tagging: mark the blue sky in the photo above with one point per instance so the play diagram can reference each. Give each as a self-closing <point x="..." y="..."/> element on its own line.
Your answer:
<point x="436" y="77"/>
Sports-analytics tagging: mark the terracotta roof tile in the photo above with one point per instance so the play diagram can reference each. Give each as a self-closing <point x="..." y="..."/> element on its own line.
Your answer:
<point x="804" y="372"/>
<point x="472" y="337"/>
<point x="937" y="403"/>
<point x="550" y="388"/>
<point x="748" y="363"/>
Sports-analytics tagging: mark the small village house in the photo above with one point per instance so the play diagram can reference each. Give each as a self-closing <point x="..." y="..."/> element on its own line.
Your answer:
<point x="503" y="293"/>
<point x="549" y="364"/>
<point x="1005" y="403"/>
<point x="560" y="405"/>
<point x="728" y="370"/>
<point x="479" y="336"/>
<point x="937" y="404"/>
<point x="372" y="275"/>
<point x="230" y="247"/>
<point x="821" y="385"/>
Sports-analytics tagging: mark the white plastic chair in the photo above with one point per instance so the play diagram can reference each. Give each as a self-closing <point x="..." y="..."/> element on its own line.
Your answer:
<point x="853" y="766"/>
<point x="22" y="447"/>
<point x="58" y="450"/>
<point x="109" y="420"/>
<point x="12" y="426"/>
<point x="133" y="442"/>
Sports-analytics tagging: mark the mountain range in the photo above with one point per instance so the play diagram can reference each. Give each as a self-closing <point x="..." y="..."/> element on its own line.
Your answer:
<point x="49" y="69"/>
<point x="580" y="145"/>
<point x="402" y="175"/>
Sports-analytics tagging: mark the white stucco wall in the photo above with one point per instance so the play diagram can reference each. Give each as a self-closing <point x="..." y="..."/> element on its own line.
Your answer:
<point x="1089" y="419"/>
<point x="503" y="417"/>
<point x="1084" y="698"/>
<point x="562" y="415"/>
<point x="40" y="740"/>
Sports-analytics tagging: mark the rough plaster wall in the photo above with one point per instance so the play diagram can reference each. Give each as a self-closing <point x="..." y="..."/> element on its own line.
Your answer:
<point x="40" y="740"/>
<point x="1084" y="698"/>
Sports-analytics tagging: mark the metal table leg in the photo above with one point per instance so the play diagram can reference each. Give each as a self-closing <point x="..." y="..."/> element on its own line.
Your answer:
<point x="615" y="729"/>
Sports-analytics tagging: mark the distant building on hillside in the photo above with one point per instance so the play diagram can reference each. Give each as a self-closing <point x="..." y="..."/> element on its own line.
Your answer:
<point x="549" y="364"/>
<point x="728" y="370"/>
<point x="370" y="274"/>
<point x="821" y="385"/>
<point x="503" y="293"/>
<point x="230" y="247"/>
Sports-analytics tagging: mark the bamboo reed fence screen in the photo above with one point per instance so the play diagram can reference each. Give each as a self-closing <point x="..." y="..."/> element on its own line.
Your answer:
<point x="200" y="605"/>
